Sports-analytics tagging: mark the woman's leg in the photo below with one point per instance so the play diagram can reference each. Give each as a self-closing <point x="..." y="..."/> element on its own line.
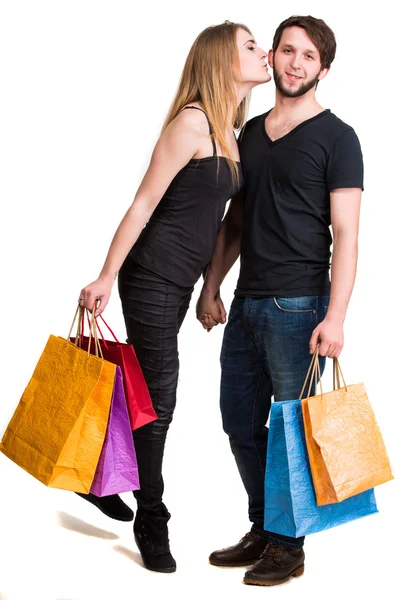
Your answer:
<point x="153" y="311"/>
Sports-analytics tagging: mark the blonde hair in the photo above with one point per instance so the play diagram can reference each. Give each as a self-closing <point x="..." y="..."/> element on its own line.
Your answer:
<point x="208" y="78"/>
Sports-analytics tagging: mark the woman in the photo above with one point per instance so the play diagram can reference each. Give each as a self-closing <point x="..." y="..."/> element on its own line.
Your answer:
<point x="193" y="172"/>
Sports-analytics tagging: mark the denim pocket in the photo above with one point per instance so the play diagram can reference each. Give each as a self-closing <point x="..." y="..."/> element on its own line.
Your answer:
<point x="236" y="307"/>
<point x="301" y="304"/>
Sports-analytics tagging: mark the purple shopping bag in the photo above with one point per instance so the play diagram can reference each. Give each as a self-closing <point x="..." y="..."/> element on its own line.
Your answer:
<point x="117" y="469"/>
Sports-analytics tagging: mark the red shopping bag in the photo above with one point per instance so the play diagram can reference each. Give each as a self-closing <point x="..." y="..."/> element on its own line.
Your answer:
<point x="139" y="403"/>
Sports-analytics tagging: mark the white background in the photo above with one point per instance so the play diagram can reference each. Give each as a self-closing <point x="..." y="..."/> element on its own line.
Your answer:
<point x="85" y="87"/>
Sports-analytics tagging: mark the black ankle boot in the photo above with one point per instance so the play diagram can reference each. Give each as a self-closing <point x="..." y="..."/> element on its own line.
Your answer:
<point x="112" y="506"/>
<point x="151" y="536"/>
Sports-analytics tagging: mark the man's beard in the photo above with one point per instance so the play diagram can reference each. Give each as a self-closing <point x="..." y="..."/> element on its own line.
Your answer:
<point x="305" y="87"/>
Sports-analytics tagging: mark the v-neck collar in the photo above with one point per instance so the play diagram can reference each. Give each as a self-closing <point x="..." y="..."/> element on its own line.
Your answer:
<point x="290" y="133"/>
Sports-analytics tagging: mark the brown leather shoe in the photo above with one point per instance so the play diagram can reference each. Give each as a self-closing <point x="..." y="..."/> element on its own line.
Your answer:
<point x="276" y="565"/>
<point x="246" y="552"/>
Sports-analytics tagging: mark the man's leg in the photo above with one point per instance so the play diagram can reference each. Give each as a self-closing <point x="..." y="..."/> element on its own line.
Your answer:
<point x="287" y="332"/>
<point x="284" y="327"/>
<point x="245" y="399"/>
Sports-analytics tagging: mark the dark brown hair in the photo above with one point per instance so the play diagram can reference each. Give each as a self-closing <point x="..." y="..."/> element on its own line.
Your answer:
<point x="317" y="30"/>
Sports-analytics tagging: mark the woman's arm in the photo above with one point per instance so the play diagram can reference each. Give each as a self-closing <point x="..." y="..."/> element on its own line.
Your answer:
<point x="175" y="147"/>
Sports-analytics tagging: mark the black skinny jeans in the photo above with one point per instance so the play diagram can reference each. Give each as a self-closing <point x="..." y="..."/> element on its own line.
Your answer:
<point x="154" y="310"/>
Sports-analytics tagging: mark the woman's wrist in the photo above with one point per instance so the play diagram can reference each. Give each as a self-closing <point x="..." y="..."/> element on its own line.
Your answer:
<point x="108" y="276"/>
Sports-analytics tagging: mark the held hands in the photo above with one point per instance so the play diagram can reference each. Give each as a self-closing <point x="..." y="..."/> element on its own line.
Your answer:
<point x="329" y="334"/>
<point x="210" y="310"/>
<point x="98" y="292"/>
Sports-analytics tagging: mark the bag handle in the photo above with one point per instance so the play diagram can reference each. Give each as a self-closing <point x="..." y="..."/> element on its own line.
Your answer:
<point x="109" y="328"/>
<point x="338" y="376"/>
<point x="315" y="374"/>
<point x="313" y="371"/>
<point x="92" y="330"/>
<point x="98" y="328"/>
<point x="73" y="321"/>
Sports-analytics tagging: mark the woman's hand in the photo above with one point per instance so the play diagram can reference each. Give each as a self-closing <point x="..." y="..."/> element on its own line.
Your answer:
<point x="96" y="293"/>
<point x="210" y="310"/>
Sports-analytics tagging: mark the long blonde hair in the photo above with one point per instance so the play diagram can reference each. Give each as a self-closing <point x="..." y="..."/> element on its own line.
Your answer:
<point x="208" y="78"/>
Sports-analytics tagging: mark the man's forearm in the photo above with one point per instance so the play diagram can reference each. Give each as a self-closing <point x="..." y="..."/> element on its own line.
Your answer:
<point x="226" y="253"/>
<point x="343" y="273"/>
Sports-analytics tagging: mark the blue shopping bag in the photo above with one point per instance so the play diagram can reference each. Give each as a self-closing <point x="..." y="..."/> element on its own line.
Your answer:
<point x="290" y="501"/>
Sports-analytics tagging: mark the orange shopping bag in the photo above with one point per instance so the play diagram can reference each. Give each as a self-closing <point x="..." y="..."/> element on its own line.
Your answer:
<point x="345" y="447"/>
<point x="58" y="429"/>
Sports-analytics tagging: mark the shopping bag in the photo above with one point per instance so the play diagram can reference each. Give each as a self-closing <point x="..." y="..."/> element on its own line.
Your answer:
<point x="140" y="407"/>
<point x="290" y="502"/>
<point x="117" y="469"/>
<point x="57" y="431"/>
<point x="345" y="446"/>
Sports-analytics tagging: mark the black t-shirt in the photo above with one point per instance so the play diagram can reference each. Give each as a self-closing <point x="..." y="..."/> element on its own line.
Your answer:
<point x="285" y="246"/>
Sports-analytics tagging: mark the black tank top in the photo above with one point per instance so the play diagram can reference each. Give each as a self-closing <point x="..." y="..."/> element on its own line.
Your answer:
<point x="180" y="237"/>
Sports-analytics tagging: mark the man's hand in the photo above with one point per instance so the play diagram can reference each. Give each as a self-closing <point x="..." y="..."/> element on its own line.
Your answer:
<point x="210" y="310"/>
<point x="329" y="333"/>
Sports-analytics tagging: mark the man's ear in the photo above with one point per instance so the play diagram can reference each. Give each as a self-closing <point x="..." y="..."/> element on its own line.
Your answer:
<point x="270" y="57"/>
<point x="323" y="73"/>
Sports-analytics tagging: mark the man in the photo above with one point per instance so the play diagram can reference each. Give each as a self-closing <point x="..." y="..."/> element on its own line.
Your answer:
<point x="303" y="171"/>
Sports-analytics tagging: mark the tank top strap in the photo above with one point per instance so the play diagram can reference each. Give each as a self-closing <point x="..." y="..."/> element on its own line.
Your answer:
<point x="210" y="127"/>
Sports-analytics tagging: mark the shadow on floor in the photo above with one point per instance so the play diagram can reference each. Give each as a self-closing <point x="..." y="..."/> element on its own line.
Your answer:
<point x="74" y="524"/>
<point x="134" y="556"/>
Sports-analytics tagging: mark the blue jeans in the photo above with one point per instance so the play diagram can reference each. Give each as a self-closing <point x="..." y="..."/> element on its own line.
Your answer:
<point x="265" y="352"/>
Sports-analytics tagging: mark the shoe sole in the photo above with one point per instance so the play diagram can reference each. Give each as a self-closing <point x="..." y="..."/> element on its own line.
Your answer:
<point x="166" y="570"/>
<point x="297" y="573"/>
<point x="244" y="563"/>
